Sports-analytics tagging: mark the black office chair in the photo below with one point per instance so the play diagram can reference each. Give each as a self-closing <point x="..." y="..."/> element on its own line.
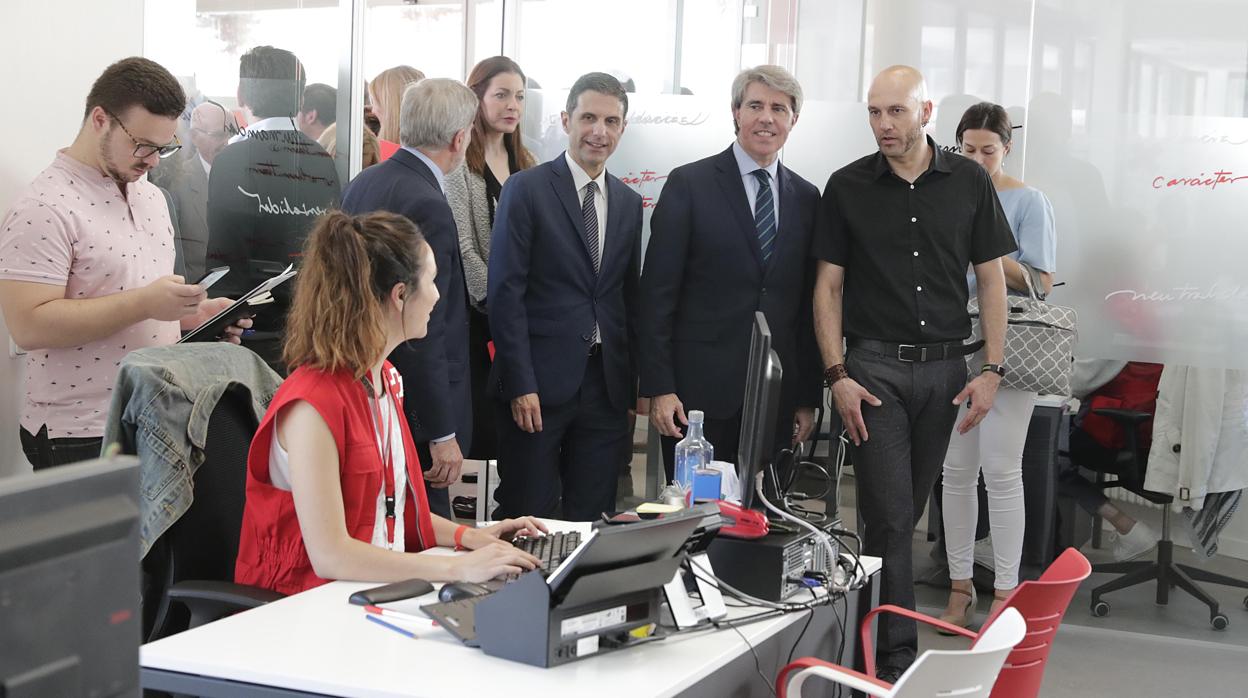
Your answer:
<point x="1129" y="465"/>
<point x="190" y="569"/>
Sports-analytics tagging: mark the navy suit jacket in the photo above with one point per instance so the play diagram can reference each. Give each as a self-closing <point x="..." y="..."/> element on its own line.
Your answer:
<point x="543" y="295"/>
<point x="704" y="279"/>
<point x="435" y="367"/>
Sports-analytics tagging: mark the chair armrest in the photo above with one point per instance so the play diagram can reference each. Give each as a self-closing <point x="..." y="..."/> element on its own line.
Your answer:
<point x="864" y="630"/>
<point x="1126" y="417"/>
<point x="796" y="673"/>
<point x="210" y="600"/>
<point x="1133" y="478"/>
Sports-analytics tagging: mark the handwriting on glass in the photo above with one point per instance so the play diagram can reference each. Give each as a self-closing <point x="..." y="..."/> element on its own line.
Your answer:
<point x="274" y="169"/>
<point x="284" y="208"/>
<point x="1221" y="139"/>
<point x="1185" y="292"/>
<point x="1202" y="181"/>
<point x="645" y="117"/>
<point x="633" y="179"/>
<point x="649" y="119"/>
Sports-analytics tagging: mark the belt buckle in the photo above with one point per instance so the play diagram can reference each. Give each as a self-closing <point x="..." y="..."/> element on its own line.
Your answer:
<point x="902" y="347"/>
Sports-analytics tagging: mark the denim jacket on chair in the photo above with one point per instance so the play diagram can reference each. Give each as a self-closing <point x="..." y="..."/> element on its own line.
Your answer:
<point x="161" y="404"/>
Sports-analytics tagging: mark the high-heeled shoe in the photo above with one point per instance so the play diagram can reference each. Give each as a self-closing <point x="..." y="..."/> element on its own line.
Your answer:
<point x="962" y="619"/>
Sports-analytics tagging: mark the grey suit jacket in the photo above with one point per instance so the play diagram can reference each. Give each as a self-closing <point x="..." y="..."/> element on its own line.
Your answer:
<point x="189" y="187"/>
<point x="465" y="192"/>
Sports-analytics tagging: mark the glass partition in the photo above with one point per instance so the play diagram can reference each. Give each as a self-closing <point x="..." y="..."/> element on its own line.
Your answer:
<point x="1132" y="114"/>
<point x="1138" y="135"/>
<point x="1133" y="123"/>
<point x="428" y="36"/>
<point x="262" y="80"/>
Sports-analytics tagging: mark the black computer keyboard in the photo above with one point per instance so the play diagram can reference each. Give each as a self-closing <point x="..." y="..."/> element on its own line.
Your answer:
<point x="550" y="549"/>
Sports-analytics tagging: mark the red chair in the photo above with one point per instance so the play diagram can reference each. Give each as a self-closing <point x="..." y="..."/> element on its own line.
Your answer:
<point x="1042" y="603"/>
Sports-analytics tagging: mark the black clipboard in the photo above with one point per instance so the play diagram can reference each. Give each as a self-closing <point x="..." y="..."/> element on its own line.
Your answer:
<point x="212" y="330"/>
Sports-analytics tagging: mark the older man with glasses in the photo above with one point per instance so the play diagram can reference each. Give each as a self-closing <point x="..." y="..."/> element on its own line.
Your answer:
<point x="86" y="255"/>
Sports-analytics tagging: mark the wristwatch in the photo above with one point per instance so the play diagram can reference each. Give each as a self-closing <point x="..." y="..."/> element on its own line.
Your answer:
<point x="998" y="369"/>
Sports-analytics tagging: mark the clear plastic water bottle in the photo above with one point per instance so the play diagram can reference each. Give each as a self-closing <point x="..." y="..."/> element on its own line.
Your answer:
<point x="693" y="453"/>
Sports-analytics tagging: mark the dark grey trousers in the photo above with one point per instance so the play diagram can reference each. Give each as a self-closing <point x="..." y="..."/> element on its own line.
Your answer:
<point x="895" y="469"/>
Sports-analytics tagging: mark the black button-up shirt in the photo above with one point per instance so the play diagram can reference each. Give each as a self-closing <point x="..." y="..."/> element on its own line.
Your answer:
<point x="906" y="247"/>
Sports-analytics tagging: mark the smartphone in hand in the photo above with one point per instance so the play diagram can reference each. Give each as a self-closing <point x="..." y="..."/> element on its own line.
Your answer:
<point x="212" y="276"/>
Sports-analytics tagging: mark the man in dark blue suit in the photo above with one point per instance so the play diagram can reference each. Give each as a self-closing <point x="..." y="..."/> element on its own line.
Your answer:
<point x="435" y="126"/>
<point x="731" y="236"/>
<point x="562" y="297"/>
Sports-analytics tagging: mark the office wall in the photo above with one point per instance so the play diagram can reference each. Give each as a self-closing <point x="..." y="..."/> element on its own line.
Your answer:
<point x="51" y="50"/>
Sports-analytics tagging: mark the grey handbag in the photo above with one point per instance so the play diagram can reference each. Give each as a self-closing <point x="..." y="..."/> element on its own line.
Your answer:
<point x="1039" y="341"/>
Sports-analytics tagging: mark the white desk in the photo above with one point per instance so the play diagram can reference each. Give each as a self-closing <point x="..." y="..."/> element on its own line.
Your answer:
<point x="315" y="643"/>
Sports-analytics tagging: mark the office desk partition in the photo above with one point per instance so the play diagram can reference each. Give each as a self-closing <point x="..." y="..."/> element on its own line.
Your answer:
<point x="316" y="644"/>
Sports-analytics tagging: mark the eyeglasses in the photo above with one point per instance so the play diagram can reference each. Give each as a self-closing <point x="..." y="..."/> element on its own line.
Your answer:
<point x="145" y="150"/>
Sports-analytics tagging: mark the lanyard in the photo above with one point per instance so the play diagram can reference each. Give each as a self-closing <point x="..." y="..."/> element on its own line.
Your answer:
<point x="387" y="455"/>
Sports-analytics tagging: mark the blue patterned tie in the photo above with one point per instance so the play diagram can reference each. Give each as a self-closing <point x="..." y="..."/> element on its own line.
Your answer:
<point x="765" y="215"/>
<point x="590" y="214"/>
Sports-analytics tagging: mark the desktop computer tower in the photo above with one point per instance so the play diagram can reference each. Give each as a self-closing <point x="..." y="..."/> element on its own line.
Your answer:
<point x="767" y="567"/>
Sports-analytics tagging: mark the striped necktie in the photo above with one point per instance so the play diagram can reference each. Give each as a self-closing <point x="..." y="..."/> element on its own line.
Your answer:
<point x="765" y="215"/>
<point x="590" y="213"/>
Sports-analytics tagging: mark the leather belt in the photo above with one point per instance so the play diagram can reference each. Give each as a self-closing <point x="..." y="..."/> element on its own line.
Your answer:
<point x="911" y="353"/>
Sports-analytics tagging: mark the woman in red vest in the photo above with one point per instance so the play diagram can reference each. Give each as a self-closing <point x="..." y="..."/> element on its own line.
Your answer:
<point x="334" y="487"/>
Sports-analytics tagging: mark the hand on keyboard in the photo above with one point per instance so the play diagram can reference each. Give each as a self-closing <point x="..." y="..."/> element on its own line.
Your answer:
<point x="549" y="549"/>
<point x="492" y="561"/>
<point x="509" y="529"/>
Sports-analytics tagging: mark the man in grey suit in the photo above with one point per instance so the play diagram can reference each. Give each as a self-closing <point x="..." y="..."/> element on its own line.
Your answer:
<point x="187" y="184"/>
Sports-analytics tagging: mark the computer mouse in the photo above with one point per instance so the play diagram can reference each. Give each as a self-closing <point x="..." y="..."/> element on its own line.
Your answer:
<point x="454" y="591"/>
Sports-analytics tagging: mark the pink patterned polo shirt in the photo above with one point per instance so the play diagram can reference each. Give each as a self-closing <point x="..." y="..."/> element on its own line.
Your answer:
<point x="71" y="227"/>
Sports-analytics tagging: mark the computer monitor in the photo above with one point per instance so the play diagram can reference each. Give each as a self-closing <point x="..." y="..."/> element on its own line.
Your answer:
<point x="759" y="411"/>
<point x="69" y="581"/>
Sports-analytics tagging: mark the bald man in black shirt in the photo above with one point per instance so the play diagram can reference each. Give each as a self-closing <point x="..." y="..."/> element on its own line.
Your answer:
<point x="897" y="230"/>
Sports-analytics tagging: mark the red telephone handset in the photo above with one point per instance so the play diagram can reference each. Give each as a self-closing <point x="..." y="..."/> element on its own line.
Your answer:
<point x="742" y="523"/>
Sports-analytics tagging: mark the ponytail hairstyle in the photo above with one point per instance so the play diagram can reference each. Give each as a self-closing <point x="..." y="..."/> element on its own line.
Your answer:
<point x="350" y="263"/>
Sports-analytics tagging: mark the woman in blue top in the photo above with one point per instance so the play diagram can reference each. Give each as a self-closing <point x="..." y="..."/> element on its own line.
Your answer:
<point x="996" y="447"/>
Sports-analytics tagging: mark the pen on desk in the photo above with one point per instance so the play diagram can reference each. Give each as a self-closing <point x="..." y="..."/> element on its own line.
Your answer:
<point x="399" y="615"/>
<point x="392" y="626"/>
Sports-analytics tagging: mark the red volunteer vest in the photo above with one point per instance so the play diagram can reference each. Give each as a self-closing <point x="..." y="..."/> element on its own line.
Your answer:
<point x="271" y="552"/>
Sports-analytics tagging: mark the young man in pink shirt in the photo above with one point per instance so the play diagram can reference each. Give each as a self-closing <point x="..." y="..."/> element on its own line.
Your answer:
<point x="86" y="262"/>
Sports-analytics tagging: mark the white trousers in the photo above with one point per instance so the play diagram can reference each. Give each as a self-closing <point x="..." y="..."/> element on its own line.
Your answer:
<point x="996" y="448"/>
